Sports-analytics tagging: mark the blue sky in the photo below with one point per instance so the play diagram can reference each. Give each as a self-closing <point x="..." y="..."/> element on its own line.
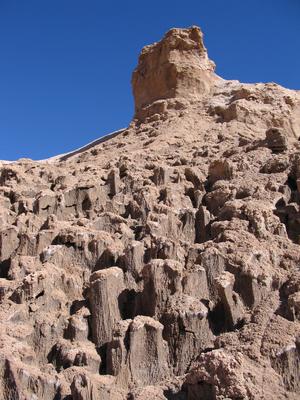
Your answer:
<point x="65" y="65"/>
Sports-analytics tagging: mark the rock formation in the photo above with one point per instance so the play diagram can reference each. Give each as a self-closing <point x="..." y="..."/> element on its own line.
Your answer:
<point x="176" y="67"/>
<point x="161" y="262"/>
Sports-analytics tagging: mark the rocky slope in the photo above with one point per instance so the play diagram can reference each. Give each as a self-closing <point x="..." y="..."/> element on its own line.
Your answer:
<point x="162" y="262"/>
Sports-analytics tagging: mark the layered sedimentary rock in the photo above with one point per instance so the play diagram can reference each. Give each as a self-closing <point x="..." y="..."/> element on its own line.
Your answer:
<point x="162" y="261"/>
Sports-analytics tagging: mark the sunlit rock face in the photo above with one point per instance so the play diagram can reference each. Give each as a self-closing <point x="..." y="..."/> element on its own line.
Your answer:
<point x="177" y="66"/>
<point x="162" y="261"/>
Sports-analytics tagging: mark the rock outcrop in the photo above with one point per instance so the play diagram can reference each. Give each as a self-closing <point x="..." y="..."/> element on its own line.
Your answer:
<point x="162" y="261"/>
<point x="178" y="67"/>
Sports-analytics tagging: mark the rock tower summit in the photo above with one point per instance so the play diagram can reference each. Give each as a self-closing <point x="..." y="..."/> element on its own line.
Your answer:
<point x="176" y="67"/>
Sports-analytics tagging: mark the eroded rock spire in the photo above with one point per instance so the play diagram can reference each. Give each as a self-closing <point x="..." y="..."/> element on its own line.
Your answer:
<point x="177" y="66"/>
<point x="161" y="261"/>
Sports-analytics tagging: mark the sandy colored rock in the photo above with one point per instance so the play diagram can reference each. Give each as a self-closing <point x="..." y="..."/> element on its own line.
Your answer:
<point x="160" y="261"/>
<point x="105" y="290"/>
<point x="138" y="355"/>
<point x="176" y="67"/>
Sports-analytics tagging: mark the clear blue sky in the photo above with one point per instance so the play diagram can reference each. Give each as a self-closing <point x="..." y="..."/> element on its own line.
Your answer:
<point x="65" y="65"/>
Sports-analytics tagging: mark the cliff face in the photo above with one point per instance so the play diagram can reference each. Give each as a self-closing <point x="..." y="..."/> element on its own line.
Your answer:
<point x="176" y="67"/>
<point x="163" y="261"/>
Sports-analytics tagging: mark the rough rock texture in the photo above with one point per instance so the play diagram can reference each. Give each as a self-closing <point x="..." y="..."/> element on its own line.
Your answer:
<point x="178" y="66"/>
<point x="162" y="261"/>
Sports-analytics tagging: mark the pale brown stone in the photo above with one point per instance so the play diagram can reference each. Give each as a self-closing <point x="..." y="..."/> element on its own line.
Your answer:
<point x="161" y="261"/>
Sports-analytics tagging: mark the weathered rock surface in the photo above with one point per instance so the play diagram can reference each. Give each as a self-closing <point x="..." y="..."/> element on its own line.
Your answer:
<point x="163" y="261"/>
<point x="176" y="67"/>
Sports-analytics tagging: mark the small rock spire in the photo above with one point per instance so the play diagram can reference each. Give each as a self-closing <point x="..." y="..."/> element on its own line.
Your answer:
<point x="177" y="66"/>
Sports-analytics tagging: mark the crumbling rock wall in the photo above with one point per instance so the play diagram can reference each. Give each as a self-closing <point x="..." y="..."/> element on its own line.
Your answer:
<point x="163" y="262"/>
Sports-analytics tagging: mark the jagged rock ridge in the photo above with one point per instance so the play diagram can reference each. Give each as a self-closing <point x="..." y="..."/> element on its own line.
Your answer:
<point x="163" y="262"/>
